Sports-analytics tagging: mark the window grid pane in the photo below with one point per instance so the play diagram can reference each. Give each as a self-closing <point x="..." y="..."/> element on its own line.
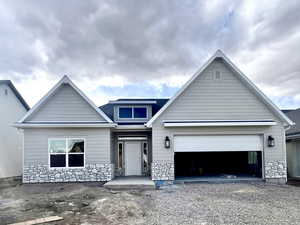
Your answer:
<point x="140" y="112"/>
<point x="76" y="160"/>
<point x="125" y="112"/>
<point x="58" y="160"/>
<point x="57" y="146"/>
<point x="75" y="145"/>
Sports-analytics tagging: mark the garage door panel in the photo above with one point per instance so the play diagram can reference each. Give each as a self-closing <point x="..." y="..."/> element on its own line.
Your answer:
<point x="216" y="143"/>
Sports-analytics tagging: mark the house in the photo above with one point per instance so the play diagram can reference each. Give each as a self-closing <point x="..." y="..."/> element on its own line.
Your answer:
<point x="293" y="144"/>
<point x="218" y="124"/>
<point x="12" y="108"/>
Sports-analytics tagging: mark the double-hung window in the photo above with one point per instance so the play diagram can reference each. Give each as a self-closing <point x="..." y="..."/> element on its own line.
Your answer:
<point x="136" y="112"/>
<point x="66" y="152"/>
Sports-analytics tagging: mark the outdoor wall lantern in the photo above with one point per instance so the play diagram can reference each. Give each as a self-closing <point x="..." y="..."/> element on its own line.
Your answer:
<point x="167" y="142"/>
<point x="271" y="141"/>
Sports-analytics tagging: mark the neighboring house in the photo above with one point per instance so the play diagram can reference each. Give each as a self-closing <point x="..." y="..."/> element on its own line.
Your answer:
<point x="219" y="124"/>
<point x="293" y="144"/>
<point x="12" y="108"/>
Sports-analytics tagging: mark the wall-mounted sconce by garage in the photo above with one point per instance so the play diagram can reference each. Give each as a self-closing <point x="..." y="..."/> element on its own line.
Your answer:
<point x="167" y="142"/>
<point x="271" y="141"/>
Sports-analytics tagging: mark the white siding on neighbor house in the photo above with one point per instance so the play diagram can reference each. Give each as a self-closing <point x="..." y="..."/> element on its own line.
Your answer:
<point x="208" y="98"/>
<point x="98" y="143"/>
<point x="11" y="110"/>
<point x="65" y="105"/>
<point x="293" y="158"/>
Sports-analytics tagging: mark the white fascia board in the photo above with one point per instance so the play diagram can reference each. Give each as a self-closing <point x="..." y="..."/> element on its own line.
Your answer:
<point x="220" y="54"/>
<point x="132" y="102"/>
<point x="129" y="127"/>
<point x="64" y="80"/>
<point x="219" y="124"/>
<point x="59" y="125"/>
<point x="292" y="136"/>
<point x="132" y="138"/>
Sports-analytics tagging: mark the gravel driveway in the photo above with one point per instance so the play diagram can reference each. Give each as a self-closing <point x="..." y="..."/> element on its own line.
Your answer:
<point x="201" y="204"/>
<point x="237" y="203"/>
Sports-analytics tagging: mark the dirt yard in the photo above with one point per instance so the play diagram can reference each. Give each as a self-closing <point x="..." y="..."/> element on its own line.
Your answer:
<point x="204" y="204"/>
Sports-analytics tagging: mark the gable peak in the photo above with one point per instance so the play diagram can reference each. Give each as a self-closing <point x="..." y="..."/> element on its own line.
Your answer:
<point x="219" y="53"/>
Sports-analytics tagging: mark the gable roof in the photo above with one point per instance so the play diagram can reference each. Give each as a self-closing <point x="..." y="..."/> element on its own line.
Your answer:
<point x="108" y="108"/>
<point x="15" y="91"/>
<point x="244" y="78"/>
<point x="64" y="80"/>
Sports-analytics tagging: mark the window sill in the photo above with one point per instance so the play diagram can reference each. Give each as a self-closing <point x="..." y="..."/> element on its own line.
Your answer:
<point x="65" y="168"/>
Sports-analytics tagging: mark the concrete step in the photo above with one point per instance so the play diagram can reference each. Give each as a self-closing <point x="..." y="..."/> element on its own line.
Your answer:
<point x="130" y="187"/>
<point x="129" y="183"/>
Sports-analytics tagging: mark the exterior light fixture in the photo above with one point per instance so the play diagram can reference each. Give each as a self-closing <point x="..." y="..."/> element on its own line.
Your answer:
<point x="271" y="141"/>
<point x="167" y="142"/>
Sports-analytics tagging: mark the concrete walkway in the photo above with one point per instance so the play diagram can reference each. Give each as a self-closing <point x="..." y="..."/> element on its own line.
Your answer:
<point x="132" y="182"/>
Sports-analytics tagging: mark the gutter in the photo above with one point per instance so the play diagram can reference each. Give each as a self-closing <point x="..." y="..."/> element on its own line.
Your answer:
<point x="56" y="125"/>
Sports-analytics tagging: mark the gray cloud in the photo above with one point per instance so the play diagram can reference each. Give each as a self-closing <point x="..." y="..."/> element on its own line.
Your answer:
<point x="147" y="40"/>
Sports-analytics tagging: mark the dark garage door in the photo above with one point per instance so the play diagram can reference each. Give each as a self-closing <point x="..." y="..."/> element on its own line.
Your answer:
<point x="221" y="164"/>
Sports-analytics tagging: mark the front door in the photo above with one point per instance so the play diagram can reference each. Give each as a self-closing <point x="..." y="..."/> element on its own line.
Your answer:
<point x="133" y="158"/>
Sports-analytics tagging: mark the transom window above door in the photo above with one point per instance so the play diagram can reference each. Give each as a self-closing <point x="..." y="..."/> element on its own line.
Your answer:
<point x="133" y="112"/>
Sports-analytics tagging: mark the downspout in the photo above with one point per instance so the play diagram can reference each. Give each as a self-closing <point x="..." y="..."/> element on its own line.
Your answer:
<point x="286" y="128"/>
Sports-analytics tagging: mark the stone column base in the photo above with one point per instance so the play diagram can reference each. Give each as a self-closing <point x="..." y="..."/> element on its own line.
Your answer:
<point x="276" y="180"/>
<point x="39" y="173"/>
<point x="276" y="172"/>
<point x="162" y="170"/>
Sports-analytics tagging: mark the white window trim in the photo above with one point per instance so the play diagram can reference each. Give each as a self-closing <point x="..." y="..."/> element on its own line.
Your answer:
<point x="132" y="113"/>
<point x="66" y="153"/>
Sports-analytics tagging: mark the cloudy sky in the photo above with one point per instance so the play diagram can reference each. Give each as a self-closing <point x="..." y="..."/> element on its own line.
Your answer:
<point x="135" y="48"/>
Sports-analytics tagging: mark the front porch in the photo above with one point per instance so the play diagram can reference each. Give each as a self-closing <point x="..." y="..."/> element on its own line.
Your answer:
<point x="132" y="153"/>
<point x="131" y="182"/>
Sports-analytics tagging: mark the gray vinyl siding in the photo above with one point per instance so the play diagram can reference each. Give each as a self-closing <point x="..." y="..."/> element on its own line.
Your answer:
<point x="227" y="98"/>
<point x="97" y="150"/>
<point x="210" y="99"/>
<point x="66" y="105"/>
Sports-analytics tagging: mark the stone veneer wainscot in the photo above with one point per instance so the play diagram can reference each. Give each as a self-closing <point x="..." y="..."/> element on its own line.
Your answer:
<point x="39" y="173"/>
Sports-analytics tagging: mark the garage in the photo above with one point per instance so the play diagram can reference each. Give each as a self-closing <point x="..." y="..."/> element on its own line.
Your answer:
<point x="223" y="156"/>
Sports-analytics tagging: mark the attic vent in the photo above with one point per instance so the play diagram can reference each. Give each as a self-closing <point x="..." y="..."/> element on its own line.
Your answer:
<point x="5" y="92"/>
<point x="217" y="75"/>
